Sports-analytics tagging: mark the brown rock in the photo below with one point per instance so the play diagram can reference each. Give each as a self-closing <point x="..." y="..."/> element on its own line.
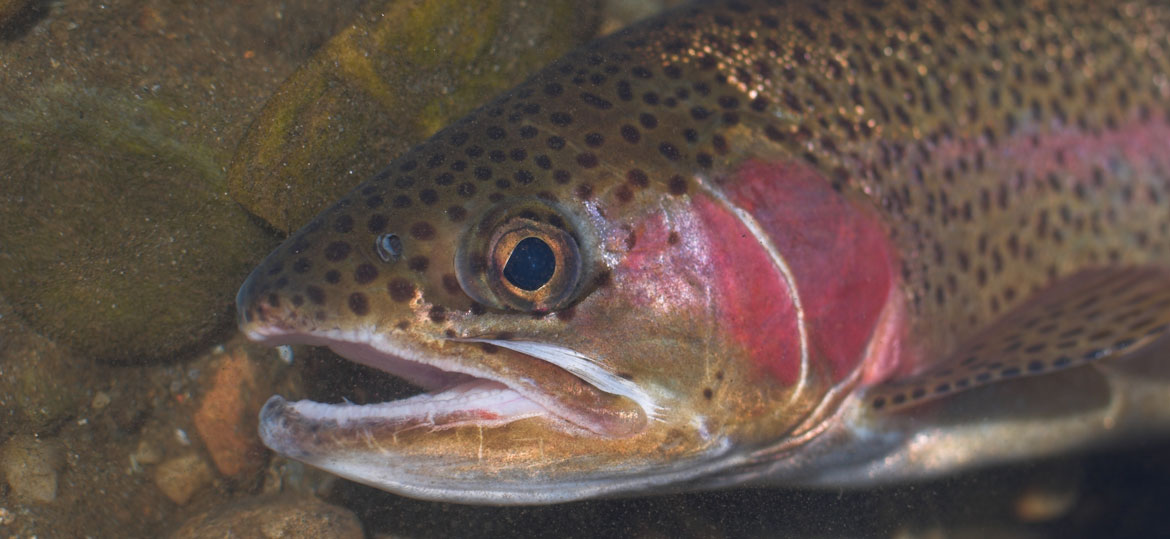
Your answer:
<point x="30" y="467"/>
<point x="287" y="517"/>
<point x="181" y="477"/>
<point x="227" y="415"/>
<point x="42" y="384"/>
<point x="117" y="121"/>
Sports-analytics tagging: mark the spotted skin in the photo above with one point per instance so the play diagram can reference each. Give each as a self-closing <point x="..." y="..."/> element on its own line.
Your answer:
<point x="996" y="154"/>
<point x="1093" y="316"/>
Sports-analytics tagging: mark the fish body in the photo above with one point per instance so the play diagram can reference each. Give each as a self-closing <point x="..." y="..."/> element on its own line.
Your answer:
<point x="755" y="243"/>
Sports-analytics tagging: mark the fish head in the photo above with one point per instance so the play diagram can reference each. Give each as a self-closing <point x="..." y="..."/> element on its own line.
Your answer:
<point x="583" y="321"/>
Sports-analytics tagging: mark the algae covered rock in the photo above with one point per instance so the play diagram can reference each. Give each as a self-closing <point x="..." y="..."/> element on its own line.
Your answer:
<point x="403" y="70"/>
<point x="117" y="123"/>
<point x="125" y="245"/>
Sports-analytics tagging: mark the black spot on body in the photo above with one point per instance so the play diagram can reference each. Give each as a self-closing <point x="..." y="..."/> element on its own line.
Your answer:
<point x="451" y="284"/>
<point x="401" y="290"/>
<point x="669" y="151"/>
<point x="359" y="304"/>
<point x="365" y="274"/>
<point x="595" y="101"/>
<point x="560" y="119"/>
<point x="376" y="223"/>
<point x="418" y="263"/>
<point x="637" y="178"/>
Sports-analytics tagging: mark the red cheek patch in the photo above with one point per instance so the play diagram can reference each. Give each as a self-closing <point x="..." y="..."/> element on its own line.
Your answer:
<point x="754" y="304"/>
<point x="705" y="262"/>
<point x="838" y="252"/>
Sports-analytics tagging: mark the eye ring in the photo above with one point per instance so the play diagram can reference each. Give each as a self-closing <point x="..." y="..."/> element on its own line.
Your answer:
<point x="518" y="266"/>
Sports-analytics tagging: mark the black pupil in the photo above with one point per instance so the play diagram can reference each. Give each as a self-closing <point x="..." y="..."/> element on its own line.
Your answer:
<point x="531" y="265"/>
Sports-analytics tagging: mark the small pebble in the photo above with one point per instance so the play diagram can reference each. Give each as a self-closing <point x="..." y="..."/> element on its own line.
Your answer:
<point x="30" y="467"/>
<point x="101" y="400"/>
<point x="181" y="477"/>
<point x="147" y="453"/>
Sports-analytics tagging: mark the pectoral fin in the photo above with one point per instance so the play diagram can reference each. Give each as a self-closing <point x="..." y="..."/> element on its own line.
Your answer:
<point x="1094" y="316"/>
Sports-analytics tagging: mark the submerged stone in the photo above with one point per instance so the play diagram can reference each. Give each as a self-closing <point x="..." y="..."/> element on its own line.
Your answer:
<point x="288" y="516"/>
<point x="117" y="122"/>
<point x="402" y="71"/>
<point x="30" y="467"/>
<point x="41" y="384"/>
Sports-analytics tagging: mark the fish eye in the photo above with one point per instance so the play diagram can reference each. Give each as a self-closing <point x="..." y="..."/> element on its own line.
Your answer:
<point x="532" y="265"/>
<point x="524" y="255"/>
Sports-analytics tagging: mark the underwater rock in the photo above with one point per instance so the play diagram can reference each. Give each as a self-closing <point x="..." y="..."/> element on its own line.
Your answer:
<point x="41" y="384"/>
<point x="287" y="517"/>
<point x="181" y="477"/>
<point x="125" y="247"/>
<point x="30" y="467"/>
<point x="227" y="416"/>
<point x="10" y="9"/>
<point x="397" y="75"/>
<point x="117" y="123"/>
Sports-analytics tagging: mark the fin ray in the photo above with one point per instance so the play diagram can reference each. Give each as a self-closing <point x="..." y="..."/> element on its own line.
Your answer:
<point x="1088" y="317"/>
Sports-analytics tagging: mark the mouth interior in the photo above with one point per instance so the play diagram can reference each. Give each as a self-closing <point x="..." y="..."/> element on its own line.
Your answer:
<point x="450" y="398"/>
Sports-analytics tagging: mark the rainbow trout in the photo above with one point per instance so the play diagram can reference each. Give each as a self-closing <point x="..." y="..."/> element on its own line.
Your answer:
<point x="798" y="243"/>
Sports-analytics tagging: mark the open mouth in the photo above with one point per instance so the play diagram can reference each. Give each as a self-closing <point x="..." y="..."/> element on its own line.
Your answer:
<point x="524" y="379"/>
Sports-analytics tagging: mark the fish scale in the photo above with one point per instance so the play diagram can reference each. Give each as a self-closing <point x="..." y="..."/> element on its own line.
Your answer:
<point x="774" y="226"/>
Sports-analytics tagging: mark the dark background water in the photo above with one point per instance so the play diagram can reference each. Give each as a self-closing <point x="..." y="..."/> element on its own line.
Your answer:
<point x="1110" y="494"/>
